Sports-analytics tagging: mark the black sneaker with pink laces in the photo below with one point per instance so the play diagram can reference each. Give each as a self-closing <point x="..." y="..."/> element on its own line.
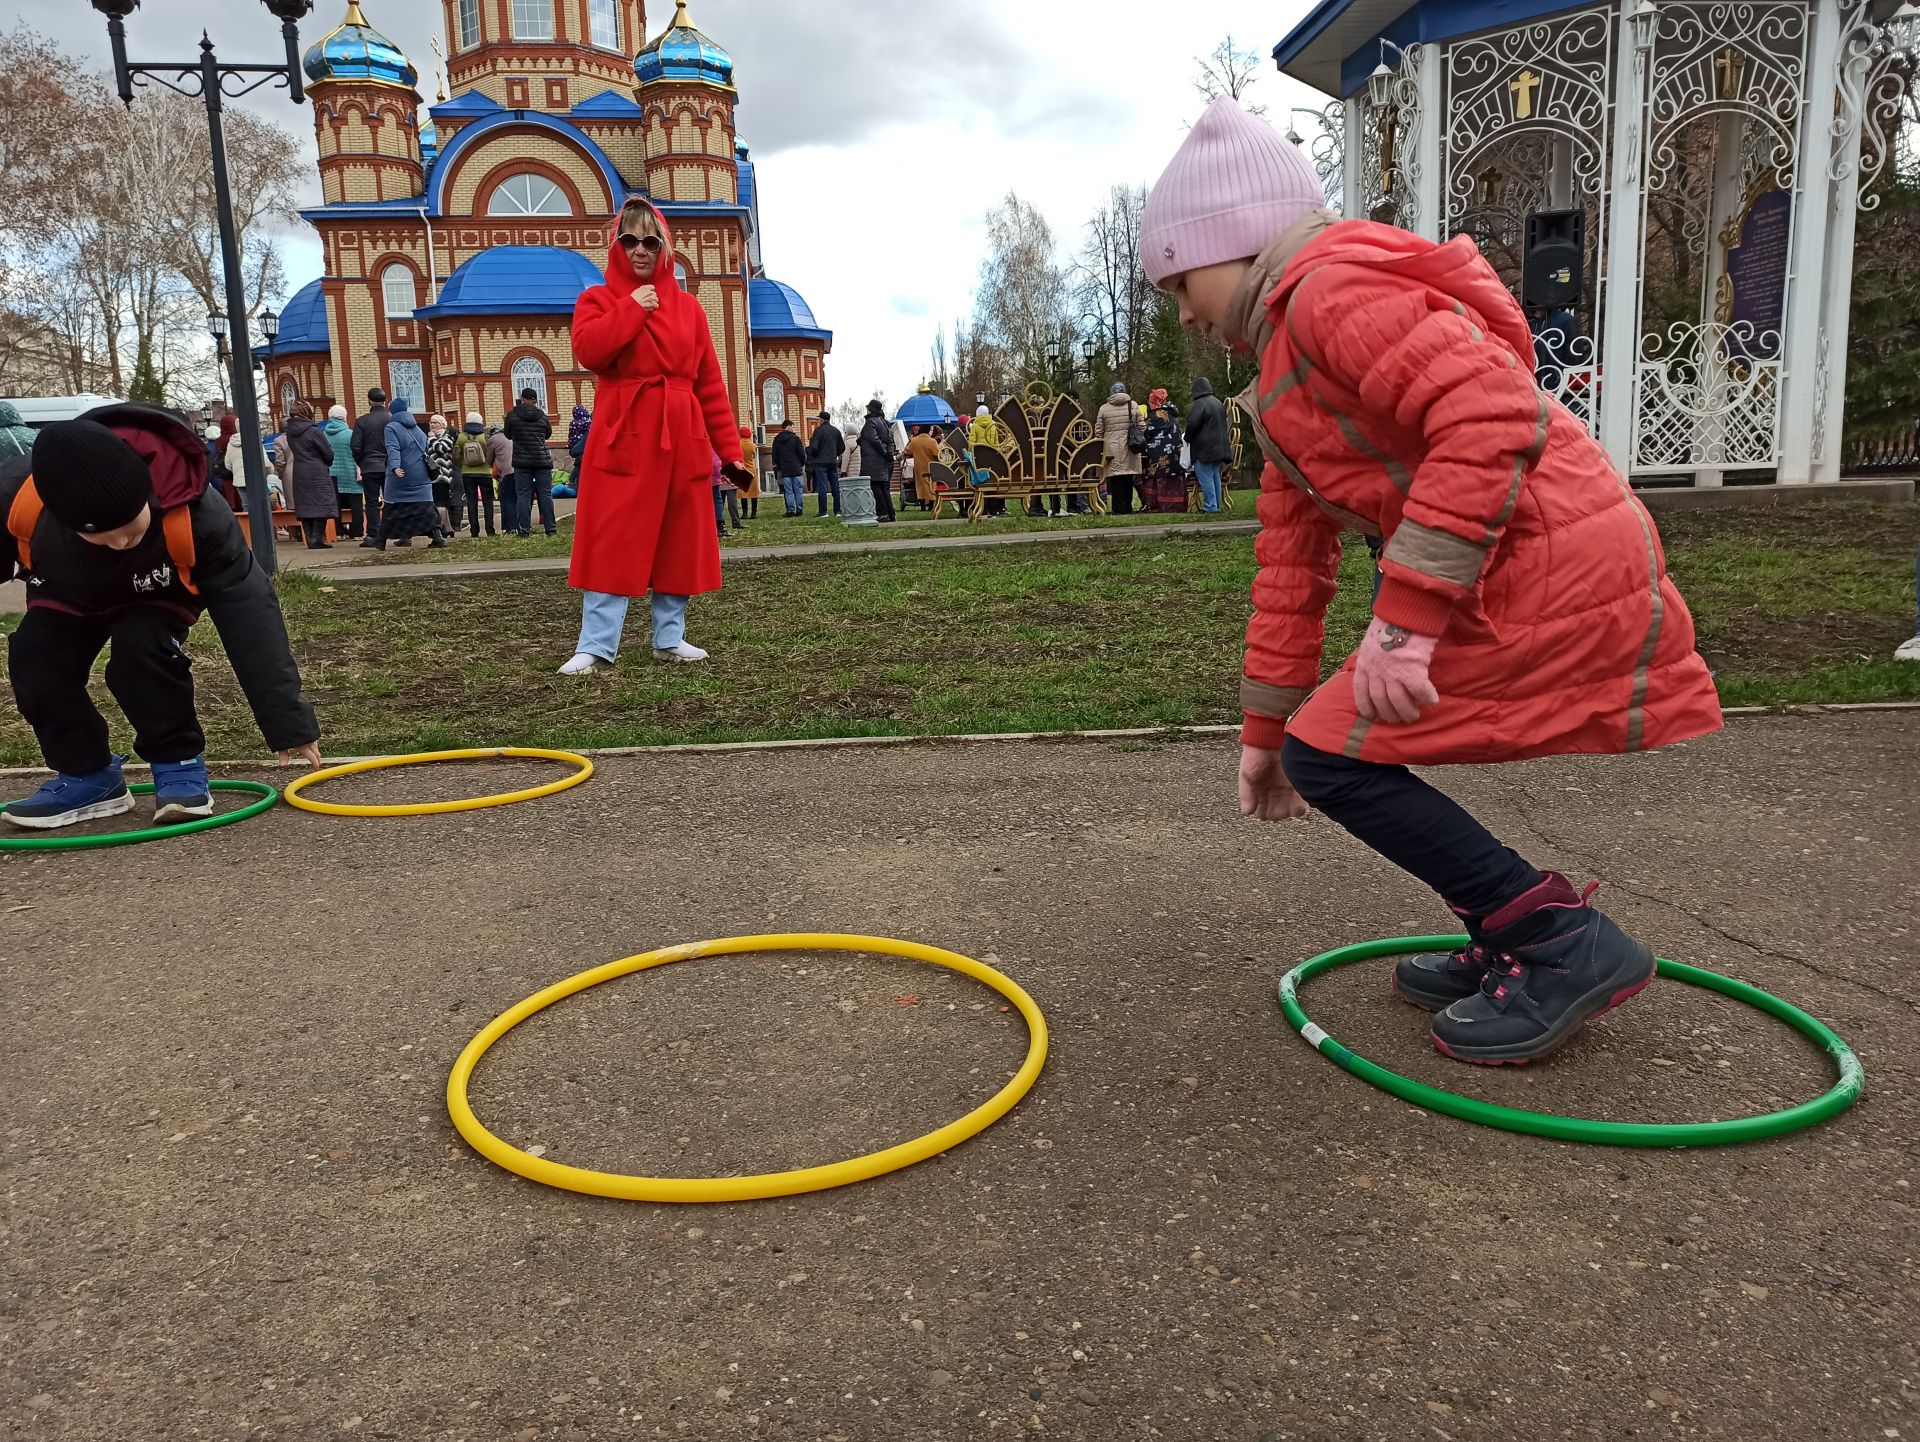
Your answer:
<point x="1434" y="981"/>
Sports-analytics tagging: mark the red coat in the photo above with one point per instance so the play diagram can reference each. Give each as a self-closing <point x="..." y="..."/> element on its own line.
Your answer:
<point x="1398" y="385"/>
<point x="661" y="411"/>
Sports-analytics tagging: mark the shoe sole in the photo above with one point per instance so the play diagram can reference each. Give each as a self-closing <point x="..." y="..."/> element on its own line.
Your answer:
<point x="1553" y="1040"/>
<point x="175" y="811"/>
<point x="99" y="811"/>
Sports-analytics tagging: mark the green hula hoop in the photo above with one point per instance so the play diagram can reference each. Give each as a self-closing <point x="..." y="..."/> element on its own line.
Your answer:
<point x="268" y="796"/>
<point x="1843" y="1094"/>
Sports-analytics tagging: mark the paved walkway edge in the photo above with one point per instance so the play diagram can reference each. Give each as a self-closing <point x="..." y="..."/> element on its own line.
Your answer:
<point x="467" y="570"/>
<point x="835" y="743"/>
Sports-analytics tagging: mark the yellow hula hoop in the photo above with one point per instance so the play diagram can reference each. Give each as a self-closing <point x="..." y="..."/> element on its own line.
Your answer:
<point x="440" y="808"/>
<point x="768" y="1184"/>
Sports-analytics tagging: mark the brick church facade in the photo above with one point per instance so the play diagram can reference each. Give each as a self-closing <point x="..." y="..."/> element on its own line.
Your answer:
<point x="456" y="245"/>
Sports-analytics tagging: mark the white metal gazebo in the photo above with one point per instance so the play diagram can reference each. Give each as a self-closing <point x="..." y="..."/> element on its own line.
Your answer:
<point x="1671" y="186"/>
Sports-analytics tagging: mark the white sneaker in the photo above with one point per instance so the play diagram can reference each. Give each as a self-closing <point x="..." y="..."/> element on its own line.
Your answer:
<point x="681" y="653"/>
<point x="1908" y="650"/>
<point x="582" y="665"/>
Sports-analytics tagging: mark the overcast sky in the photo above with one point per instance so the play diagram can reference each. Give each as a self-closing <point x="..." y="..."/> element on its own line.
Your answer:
<point x="882" y="129"/>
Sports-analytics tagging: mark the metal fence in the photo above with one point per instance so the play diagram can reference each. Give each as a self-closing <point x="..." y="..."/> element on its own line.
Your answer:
<point x="1896" y="453"/>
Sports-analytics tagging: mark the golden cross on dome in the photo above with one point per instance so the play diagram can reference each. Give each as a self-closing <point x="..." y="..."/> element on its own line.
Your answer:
<point x="1523" y="86"/>
<point x="354" y="17"/>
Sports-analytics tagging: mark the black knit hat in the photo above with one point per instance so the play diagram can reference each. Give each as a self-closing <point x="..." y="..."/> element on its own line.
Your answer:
<point x="88" y="477"/>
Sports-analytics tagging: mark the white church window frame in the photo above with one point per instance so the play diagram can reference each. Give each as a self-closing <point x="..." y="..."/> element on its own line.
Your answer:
<point x="409" y="378"/>
<point x="399" y="292"/>
<point x="469" y="16"/>
<point x="603" y="23"/>
<point x="533" y="19"/>
<point x="529" y="193"/>
<point x="530" y="371"/>
<point x="773" y="402"/>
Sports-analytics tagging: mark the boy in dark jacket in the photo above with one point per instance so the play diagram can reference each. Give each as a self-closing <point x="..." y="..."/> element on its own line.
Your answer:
<point x="790" y="462"/>
<point x="824" y="453"/>
<point x="528" y="428"/>
<point x="370" y="454"/>
<point x="110" y="524"/>
<point x="1211" y="440"/>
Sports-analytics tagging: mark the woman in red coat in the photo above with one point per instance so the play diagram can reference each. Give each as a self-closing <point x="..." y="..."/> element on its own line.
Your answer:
<point x="660" y="413"/>
<point x="1525" y="609"/>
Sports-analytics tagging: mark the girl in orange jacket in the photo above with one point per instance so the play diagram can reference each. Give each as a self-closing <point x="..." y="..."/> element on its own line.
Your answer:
<point x="1524" y="610"/>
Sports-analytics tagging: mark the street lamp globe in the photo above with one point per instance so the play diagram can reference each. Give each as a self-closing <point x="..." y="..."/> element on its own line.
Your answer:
<point x="1087" y="349"/>
<point x="295" y="10"/>
<point x="270" y="325"/>
<point x="116" y="9"/>
<point x="216" y="324"/>
<point x="1380" y="86"/>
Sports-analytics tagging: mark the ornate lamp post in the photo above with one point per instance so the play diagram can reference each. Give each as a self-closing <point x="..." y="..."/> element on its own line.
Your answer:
<point x="207" y="79"/>
<point x="270" y="327"/>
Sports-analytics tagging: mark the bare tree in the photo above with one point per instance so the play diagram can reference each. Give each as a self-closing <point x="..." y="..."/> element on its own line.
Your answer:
<point x="1228" y="71"/>
<point x="1112" y="291"/>
<point x="1023" y="307"/>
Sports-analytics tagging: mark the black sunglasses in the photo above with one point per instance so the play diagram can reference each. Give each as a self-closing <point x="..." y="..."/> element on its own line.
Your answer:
<point x="652" y="244"/>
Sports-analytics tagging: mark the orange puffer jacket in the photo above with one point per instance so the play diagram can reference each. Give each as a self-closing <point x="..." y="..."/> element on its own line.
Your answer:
<point x="1396" y="396"/>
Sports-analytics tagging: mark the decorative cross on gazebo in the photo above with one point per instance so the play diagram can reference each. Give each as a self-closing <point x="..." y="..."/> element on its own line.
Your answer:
<point x="1669" y="186"/>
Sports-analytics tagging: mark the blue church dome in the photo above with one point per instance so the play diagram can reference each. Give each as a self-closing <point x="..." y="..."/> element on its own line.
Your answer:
<point x="515" y="280"/>
<point x="356" y="51"/>
<point x="303" y="324"/>
<point x="683" y="53"/>
<point x="776" y="310"/>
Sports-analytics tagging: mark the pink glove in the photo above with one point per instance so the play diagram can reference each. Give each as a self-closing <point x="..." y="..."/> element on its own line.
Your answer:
<point x="1390" y="674"/>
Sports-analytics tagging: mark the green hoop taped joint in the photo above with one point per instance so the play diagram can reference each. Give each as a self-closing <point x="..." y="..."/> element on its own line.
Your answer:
<point x="1843" y="1094"/>
<point x="268" y="796"/>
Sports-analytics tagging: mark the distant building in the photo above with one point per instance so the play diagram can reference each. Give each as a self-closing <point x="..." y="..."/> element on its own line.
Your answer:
<point x="456" y="246"/>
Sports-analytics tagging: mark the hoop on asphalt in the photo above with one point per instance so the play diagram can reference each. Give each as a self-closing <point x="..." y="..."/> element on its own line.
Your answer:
<point x="440" y="808"/>
<point x="1843" y="1094"/>
<point x="767" y="1184"/>
<point x="268" y="796"/>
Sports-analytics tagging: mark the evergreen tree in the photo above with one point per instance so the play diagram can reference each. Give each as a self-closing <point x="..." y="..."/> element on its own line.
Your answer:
<point x="148" y="386"/>
<point x="1883" y="353"/>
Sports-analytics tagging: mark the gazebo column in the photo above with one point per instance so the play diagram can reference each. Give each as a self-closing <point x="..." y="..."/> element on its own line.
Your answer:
<point x="1430" y="142"/>
<point x="1830" y="396"/>
<point x="1353" y="204"/>
<point x="1724" y="204"/>
<point x="1620" y="350"/>
<point x="1802" y="384"/>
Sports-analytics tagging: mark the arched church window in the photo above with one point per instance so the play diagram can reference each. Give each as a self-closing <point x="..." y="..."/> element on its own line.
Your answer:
<point x="773" y="402"/>
<point x="680" y="274"/>
<point x="396" y="286"/>
<point x="289" y="396"/>
<point x="529" y="195"/>
<point x="530" y="374"/>
<point x="533" y="19"/>
<point x="603" y="20"/>
<point x="469" y="24"/>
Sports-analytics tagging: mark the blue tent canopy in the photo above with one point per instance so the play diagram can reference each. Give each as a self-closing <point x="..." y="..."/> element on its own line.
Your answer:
<point x="926" y="409"/>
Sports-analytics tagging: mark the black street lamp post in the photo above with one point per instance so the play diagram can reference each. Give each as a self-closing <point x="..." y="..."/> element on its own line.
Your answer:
<point x="207" y="79"/>
<point x="270" y="326"/>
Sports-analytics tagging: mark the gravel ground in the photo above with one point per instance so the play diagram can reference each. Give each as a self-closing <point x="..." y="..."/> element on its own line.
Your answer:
<point x="235" y="1208"/>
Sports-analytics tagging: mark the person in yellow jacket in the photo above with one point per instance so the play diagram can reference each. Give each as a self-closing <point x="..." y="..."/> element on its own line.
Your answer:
<point x="985" y="431"/>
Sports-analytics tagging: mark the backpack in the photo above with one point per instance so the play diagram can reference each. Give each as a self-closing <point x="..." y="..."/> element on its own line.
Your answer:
<point x="176" y="522"/>
<point x="473" y="453"/>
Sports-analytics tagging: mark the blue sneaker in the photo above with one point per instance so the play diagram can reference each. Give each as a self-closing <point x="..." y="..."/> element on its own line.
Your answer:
<point x="69" y="800"/>
<point x="180" y="791"/>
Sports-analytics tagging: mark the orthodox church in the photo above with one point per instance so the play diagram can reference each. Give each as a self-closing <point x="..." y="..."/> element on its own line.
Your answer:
<point x="456" y="245"/>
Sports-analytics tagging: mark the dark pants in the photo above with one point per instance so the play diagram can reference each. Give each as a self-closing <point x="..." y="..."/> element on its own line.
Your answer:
<point x="356" y="506"/>
<point x="479" y="498"/>
<point x="826" y="480"/>
<point x="720" y="508"/>
<point x="316" y="533"/>
<point x="883" y="496"/>
<point x="1120" y="492"/>
<point x="373" y="483"/>
<point x="50" y="658"/>
<point x="527" y="487"/>
<point x="1419" y="829"/>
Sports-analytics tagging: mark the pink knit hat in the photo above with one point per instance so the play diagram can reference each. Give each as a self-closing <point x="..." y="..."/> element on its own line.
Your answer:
<point x="1232" y="187"/>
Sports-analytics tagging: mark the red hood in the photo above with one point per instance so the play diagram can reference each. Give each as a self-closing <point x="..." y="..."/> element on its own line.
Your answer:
<point x="621" y="278"/>
<point x="1456" y="269"/>
<point x="176" y="457"/>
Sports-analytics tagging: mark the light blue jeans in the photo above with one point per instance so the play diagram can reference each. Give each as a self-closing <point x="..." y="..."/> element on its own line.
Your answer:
<point x="1209" y="474"/>
<point x="794" y="489"/>
<point x="604" y="617"/>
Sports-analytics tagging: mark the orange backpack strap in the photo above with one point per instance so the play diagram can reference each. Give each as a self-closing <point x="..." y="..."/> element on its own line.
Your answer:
<point x="178" y="525"/>
<point x="22" y="517"/>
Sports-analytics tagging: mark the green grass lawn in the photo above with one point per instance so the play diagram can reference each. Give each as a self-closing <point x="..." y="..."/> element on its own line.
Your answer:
<point x="1794" y="605"/>
<point x="773" y="527"/>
